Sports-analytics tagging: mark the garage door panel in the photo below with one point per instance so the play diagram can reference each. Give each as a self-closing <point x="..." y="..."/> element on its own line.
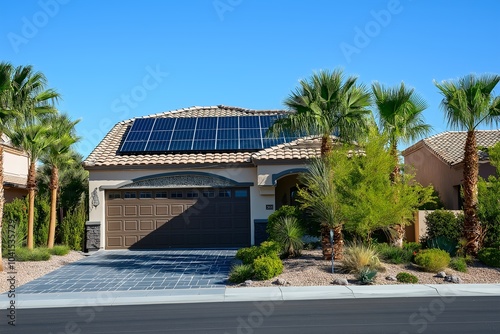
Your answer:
<point x="131" y="225"/>
<point x="178" y="222"/>
<point x="130" y="210"/>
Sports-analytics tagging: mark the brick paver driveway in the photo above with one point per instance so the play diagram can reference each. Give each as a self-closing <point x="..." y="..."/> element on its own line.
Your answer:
<point x="125" y="270"/>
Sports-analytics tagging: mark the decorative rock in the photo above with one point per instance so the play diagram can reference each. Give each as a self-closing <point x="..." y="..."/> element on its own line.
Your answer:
<point x="248" y="282"/>
<point x="280" y="281"/>
<point x="453" y="279"/>
<point x="391" y="278"/>
<point x="340" y="281"/>
<point x="441" y="274"/>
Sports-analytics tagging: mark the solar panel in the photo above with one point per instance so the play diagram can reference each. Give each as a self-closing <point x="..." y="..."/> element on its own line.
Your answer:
<point x="202" y="134"/>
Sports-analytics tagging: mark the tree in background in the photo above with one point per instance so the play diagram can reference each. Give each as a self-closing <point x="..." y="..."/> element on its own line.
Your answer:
<point x="400" y="117"/>
<point x="32" y="101"/>
<point x="468" y="103"/>
<point x="58" y="154"/>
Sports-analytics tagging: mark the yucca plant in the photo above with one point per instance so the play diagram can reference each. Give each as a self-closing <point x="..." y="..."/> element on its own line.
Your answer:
<point x="288" y="233"/>
<point x="366" y="275"/>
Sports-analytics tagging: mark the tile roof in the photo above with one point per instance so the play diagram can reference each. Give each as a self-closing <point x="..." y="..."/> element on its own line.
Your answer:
<point x="105" y="154"/>
<point x="300" y="149"/>
<point x="449" y="145"/>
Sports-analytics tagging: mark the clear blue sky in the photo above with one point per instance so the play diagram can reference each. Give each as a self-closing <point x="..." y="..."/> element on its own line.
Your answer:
<point x="100" y="55"/>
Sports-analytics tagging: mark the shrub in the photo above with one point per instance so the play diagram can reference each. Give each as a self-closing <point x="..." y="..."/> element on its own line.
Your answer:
<point x="41" y="221"/>
<point x="248" y="254"/>
<point x="357" y="257"/>
<point x="309" y="226"/>
<point x="72" y="228"/>
<point x="240" y="273"/>
<point x="366" y="275"/>
<point x="489" y="256"/>
<point x="433" y="260"/>
<point x="397" y="255"/>
<point x="19" y="229"/>
<point x="267" y="267"/>
<point x="459" y="264"/>
<point x="441" y="223"/>
<point x="59" y="250"/>
<point x="288" y="234"/>
<point x="406" y="278"/>
<point x="36" y="254"/>
<point x="442" y="242"/>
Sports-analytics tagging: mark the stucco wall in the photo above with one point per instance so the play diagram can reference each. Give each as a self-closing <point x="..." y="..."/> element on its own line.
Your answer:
<point x="432" y="170"/>
<point x="15" y="165"/>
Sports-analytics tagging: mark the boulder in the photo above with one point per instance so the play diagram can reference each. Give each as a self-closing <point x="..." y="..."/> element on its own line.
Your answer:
<point x="441" y="274"/>
<point x="280" y="281"/>
<point x="453" y="279"/>
<point x="248" y="282"/>
<point x="391" y="278"/>
<point x="340" y="281"/>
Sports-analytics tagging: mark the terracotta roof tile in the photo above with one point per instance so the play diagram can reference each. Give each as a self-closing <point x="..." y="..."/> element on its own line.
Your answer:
<point x="449" y="145"/>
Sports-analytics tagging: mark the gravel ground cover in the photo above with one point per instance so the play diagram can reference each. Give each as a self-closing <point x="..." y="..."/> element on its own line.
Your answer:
<point x="308" y="270"/>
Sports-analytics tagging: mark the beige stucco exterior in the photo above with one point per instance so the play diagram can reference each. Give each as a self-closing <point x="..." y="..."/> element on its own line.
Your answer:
<point x="263" y="179"/>
<point x="15" y="173"/>
<point x="446" y="179"/>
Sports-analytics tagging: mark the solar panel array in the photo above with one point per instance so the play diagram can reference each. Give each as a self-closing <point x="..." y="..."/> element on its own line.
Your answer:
<point x="201" y="134"/>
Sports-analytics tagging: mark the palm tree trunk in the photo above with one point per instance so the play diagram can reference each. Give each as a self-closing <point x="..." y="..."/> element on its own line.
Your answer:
<point x="338" y="242"/>
<point x="326" y="146"/>
<point x="2" y="200"/>
<point x="31" y="185"/>
<point x="325" y="242"/>
<point x="395" y="172"/>
<point x="472" y="228"/>
<point x="54" y="185"/>
<point x="398" y="229"/>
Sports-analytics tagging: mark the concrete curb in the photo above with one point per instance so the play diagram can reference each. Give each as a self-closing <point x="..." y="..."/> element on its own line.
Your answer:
<point x="276" y="294"/>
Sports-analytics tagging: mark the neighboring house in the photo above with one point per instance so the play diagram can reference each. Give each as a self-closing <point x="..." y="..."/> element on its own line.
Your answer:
<point x="438" y="160"/>
<point x="194" y="177"/>
<point x="15" y="171"/>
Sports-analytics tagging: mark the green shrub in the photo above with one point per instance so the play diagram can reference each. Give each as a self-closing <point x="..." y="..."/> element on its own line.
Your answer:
<point x="358" y="256"/>
<point x="441" y="223"/>
<point x="412" y="246"/>
<point x="59" y="250"/>
<point x="397" y="255"/>
<point x="36" y="254"/>
<point x="309" y="226"/>
<point x="459" y="264"/>
<point x="488" y="210"/>
<point x="288" y="235"/>
<point x="15" y="215"/>
<point x="444" y="243"/>
<point x="433" y="260"/>
<point x="267" y="267"/>
<point x="489" y="256"/>
<point x="366" y="275"/>
<point x="406" y="278"/>
<point x="240" y="273"/>
<point x="72" y="228"/>
<point x="41" y="221"/>
<point x="248" y="254"/>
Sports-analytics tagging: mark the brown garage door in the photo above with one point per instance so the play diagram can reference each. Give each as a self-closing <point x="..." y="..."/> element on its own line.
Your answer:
<point x="203" y="218"/>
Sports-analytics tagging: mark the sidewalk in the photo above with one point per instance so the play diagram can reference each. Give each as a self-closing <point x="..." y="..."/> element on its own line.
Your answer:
<point x="277" y="294"/>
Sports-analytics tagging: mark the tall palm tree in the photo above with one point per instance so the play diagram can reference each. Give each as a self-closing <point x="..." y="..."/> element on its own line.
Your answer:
<point x="6" y="114"/>
<point x="468" y="103"/>
<point x="30" y="99"/>
<point x="61" y="137"/>
<point x="400" y="118"/>
<point x="326" y="104"/>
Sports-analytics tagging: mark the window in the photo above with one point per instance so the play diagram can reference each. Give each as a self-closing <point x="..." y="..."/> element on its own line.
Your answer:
<point x="225" y="193"/>
<point x="114" y="195"/>
<point x="208" y="193"/>
<point x="145" y="194"/>
<point x="176" y="194"/>
<point x="241" y="193"/>
<point x="161" y="194"/>
<point x="130" y="194"/>
<point x="193" y="194"/>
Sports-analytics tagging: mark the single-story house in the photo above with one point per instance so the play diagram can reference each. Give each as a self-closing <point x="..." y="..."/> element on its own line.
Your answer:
<point x="438" y="160"/>
<point x="15" y="171"/>
<point x="193" y="177"/>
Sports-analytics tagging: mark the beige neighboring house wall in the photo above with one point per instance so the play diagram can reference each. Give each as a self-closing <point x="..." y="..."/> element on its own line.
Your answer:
<point x="438" y="160"/>
<point x="15" y="169"/>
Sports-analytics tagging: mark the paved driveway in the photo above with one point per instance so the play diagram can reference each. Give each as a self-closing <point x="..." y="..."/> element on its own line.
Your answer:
<point x="126" y="270"/>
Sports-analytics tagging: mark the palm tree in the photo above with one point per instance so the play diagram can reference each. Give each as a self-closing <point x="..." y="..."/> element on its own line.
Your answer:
<point x="6" y="114"/>
<point x="61" y="137"/>
<point x="31" y="100"/>
<point x="468" y="103"/>
<point x="327" y="104"/>
<point x="400" y="118"/>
